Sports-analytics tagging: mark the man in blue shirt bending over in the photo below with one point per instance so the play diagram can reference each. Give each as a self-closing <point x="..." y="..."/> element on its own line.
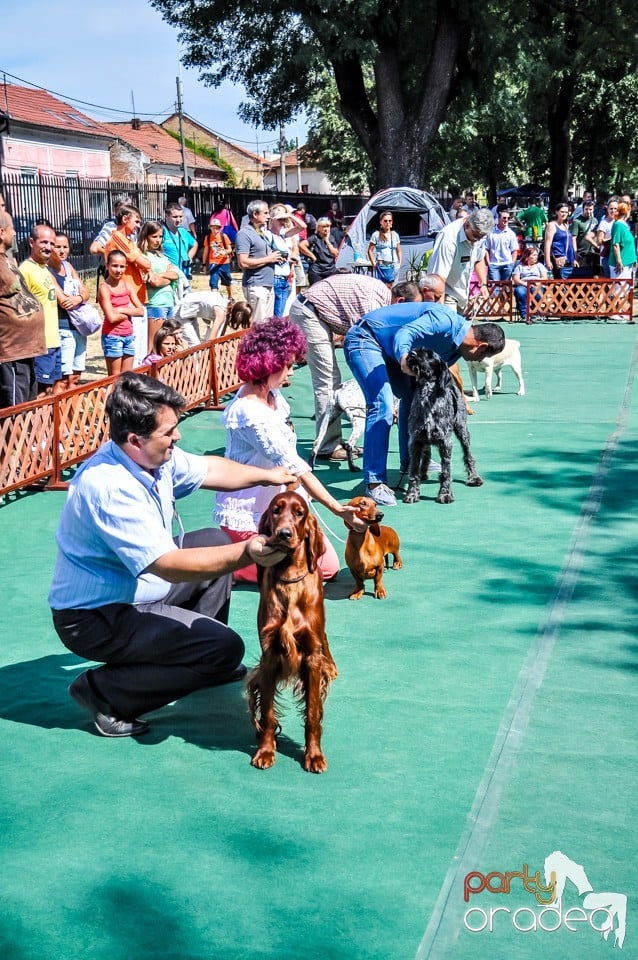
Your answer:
<point x="152" y="609"/>
<point x="376" y="349"/>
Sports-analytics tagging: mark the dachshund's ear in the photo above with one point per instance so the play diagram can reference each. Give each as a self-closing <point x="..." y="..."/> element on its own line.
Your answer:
<point x="265" y="523"/>
<point x="314" y="543"/>
<point x="375" y="529"/>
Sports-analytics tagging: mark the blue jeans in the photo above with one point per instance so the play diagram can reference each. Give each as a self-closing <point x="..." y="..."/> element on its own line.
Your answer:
<point x="520" y="293"/>
<point x="281" y="287"/>
<point x="159" y="313"/>
<point x="217" y="272"/>
<point x="563" y="273"/>
<point x="502" y="272"/>
<point x="381" y="379"/>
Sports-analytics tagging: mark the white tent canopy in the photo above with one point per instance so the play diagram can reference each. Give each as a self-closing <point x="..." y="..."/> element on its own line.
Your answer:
<point x="418" y="217"/>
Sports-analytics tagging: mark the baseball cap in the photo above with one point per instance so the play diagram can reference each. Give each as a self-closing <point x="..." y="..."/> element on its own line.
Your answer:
<point x="215" y="223"/>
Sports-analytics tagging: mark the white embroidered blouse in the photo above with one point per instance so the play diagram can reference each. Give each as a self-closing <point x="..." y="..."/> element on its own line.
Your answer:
<point x="260" y="436"/>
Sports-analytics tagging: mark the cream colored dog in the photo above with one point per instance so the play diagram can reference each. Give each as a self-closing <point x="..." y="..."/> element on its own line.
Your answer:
<point x="510" y="356"/>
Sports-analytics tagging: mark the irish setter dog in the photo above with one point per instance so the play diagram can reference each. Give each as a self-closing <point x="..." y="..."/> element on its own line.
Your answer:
<point x="291" y="622"/>
<point x="367" y="554"/>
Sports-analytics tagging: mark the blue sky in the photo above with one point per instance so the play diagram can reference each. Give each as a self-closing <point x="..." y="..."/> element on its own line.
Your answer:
<point x="101" y="52"/>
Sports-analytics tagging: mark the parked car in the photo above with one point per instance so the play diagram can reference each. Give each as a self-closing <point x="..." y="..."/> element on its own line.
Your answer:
<point x="79" y="230"/>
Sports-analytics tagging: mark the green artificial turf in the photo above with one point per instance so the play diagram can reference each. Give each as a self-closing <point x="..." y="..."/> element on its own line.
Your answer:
<point x="483" y="717"/>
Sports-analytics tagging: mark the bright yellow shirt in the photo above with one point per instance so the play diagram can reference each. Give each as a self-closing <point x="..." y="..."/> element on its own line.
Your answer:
<point x="40" y="282"/>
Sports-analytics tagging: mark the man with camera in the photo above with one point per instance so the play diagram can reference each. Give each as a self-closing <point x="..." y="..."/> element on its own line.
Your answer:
<point x="257" y="257"/>
<point x="180" y="246"/>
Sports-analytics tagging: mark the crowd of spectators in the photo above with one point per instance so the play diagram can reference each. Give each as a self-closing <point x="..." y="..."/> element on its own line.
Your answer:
<point x="281" y="252"/>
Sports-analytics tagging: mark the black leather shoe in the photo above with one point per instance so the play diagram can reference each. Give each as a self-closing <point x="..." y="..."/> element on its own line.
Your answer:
<point x="105" y="723"/>
<point x="238" y="674"/>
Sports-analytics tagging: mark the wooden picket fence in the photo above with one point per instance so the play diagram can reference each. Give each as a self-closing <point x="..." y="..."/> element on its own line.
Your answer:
<point x="41" y="440"/>
<point x="557" y="300"/>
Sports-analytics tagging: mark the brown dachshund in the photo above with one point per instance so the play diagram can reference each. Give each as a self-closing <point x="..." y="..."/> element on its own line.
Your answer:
<point x="291" y="622"/>
<point x="367" y="553"/>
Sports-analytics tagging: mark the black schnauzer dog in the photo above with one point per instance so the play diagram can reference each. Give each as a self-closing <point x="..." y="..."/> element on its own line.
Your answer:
<point x="437" y="411"/>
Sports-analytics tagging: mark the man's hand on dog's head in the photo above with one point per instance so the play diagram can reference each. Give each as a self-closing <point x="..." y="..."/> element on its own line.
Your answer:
<point x="404" y="366"/>
<point x="261" y="552"/>
<point x="281" y="477"/>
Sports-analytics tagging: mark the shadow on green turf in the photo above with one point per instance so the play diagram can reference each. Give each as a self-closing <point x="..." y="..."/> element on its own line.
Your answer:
<point x="34" y="692"/>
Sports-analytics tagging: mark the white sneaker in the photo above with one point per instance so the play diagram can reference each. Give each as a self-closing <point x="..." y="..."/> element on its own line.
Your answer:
<point x="382" y="495"/>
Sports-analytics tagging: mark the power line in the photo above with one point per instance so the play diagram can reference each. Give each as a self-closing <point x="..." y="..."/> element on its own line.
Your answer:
<point x="225" y="136"/>
<point x="84" y="103"/>
<point x="153" y="114"/>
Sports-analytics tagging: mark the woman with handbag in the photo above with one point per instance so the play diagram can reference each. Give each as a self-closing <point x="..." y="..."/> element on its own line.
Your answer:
<point x="384" y="251"/>
<point x="559" y="246"/>
<point x="71" y="293"/>
<point x="285" y="226"/>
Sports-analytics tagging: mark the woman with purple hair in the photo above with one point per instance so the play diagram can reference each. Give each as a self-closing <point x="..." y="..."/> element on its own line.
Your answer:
<point x="259" y="432"/>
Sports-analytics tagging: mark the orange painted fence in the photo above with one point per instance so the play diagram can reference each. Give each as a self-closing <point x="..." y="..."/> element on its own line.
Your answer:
<point x="557" y="299"/>
<point x="42" y="439"/>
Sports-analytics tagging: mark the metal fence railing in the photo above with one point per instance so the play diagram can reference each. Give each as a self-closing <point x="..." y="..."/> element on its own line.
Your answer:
<point x="40" y="440"/>
<point x="80" y="206"/>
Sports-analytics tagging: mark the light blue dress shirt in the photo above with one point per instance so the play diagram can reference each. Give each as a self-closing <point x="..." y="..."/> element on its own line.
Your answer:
<point x="117" y="520"/>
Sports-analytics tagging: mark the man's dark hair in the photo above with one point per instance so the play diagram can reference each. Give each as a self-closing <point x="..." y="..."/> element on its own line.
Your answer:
<point x="133" y="403"/>
<point x="406" y="290"/>
<point x="491" y="334"/>
<point x="172" y="207"/>
<point x="125" y="210"/>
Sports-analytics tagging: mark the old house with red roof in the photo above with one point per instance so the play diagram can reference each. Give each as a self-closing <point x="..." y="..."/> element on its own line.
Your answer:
<point x="47" y="136"/>
<point x="247" y="167"/>
<point x="144" y="151"/>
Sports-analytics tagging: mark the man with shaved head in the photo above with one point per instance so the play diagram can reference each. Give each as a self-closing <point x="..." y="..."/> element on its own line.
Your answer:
<point x="21" y="326"/>
<point x="39" y="280"/>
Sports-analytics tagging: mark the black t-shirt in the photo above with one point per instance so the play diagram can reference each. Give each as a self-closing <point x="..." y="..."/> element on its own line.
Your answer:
<point x="325" y="265"/>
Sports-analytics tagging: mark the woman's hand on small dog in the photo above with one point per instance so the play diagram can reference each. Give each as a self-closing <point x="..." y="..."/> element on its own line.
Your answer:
<point x="352" y="519"/>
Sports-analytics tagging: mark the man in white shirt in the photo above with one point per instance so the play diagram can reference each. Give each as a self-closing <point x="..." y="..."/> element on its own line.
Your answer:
<point x="459" y="250"/>
<point x="501" y="247"/>
<point x="188" y="218"/>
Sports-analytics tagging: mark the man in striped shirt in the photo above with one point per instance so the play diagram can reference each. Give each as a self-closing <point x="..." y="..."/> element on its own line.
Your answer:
<point x="327" y="309"/>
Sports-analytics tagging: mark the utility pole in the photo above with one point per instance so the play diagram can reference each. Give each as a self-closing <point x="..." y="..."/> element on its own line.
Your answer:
<point x="181" y="133"/>
<point x="282" y="158"/>
<point x="298" y="165"/>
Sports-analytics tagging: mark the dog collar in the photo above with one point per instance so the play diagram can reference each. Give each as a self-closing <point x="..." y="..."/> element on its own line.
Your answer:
<point x="294" y="579"/>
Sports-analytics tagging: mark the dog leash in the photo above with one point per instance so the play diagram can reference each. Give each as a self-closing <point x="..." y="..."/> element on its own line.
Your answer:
<point x="324" y="524"/>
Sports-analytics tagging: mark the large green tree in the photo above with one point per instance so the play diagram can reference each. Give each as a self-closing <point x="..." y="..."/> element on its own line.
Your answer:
<point x="565" y="42"/>
<point x="279" y="50"/>
<point x="332" y="143"/>
<point x="499" y="84"/>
